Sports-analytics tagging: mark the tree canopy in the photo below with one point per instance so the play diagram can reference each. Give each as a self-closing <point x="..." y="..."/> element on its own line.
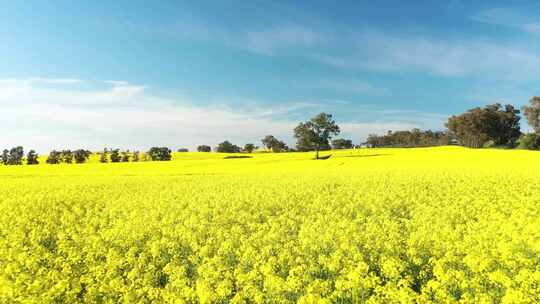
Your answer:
<point x="315" y="133"/>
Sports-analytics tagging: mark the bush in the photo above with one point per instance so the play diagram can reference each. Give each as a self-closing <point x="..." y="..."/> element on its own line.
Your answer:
<point x="159" y="154"/>
<point x="529" y="141"/>
<point x="204" y="148"/>
<point x="182" y="150"/>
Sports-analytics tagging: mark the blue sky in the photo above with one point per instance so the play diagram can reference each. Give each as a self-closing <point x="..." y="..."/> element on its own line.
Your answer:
<point x="134" y="74"/>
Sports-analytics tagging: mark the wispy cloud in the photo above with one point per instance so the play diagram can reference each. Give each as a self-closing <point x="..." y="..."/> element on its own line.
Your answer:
<point x="384" y="52"/>
<point x="520" y="18"/>
<point x="120" y="114"/>
<point x="354" y="86"/>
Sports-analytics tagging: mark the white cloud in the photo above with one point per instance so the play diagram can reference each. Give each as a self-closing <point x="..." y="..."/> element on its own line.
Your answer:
<point x="123" y="115"/>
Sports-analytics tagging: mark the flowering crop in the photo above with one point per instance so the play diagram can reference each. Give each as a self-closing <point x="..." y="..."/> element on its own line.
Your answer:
<point x="433" y="225"/>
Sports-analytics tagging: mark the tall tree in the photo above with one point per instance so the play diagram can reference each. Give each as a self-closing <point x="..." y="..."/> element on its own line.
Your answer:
<point x="273" y="144"/>
<point x="315" y="133"/>
<point x="494" y="123"/>
<point x="532" y="114"/>
<point x="32" y="158"/>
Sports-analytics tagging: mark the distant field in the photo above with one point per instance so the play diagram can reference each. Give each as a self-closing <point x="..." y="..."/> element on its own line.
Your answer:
<point x="441" y="225"/>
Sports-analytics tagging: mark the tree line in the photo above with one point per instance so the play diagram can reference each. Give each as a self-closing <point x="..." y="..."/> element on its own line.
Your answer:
<point x="489" y="126"/>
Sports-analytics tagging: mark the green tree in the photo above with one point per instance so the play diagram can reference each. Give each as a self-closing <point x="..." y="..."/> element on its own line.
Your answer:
<point x="315" y="133"/>
<point x="125" y="156"/>
<point x="227" y="147"/>
<point x="341" y="143"/>
<point x="477" y="126"/>
<point x="249" y="148"/>
<point x="204" y="148"/>
<point x="32" y="158"/>
<point x="160" y="154"/>
<point x="532" y="114"/>
<point x="81" y="155"/>
<point x="135" y="156"/>
<point x="54" y="157"/>
<point x="273" y="144"/>
<point x="115" y="156"/>
<point x="103" y="156"/>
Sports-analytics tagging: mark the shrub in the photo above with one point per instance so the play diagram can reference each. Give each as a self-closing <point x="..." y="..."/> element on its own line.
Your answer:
<point x="529" y="141"/>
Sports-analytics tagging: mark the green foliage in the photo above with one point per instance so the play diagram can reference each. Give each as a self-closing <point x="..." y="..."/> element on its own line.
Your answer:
<point x="32" y="158"/>
<point x="529" y="141"/>
<point x="103" y="156"/>
<point x="342" y="143"/>
<point x="125" y="156"/>
<point x="273" y="144"/>
<point x="249" y="148"/>
<point x="14" y="156"/>
<point x="479" y="125"/>
<point x="204" y="148"/>
<point x="316" y="133"/>
<point x="412" y="138"/>
<point x="81" y="155"/>
<point x="159" y="154"/>
<point x="54" y="157"/>
<point x="115" y="156"/>
<point x="227" y="147"/>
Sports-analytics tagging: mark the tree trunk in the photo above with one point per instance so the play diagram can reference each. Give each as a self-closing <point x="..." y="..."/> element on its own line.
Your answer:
<point x="317" y="153"/>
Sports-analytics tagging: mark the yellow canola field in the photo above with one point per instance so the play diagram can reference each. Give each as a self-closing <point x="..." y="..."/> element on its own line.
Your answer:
<point x="430" y="225"/>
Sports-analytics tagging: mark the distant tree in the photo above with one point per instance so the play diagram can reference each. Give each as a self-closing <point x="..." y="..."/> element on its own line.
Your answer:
<point x="125" y="156"/>
<point x="249" y="148"/>
<point x="273" y="144"/>
<point x="182" y="150"/>
<point x="413" y="138"/>
<point x="315" y="133"/>
<point x="160" y="154"/>
<point x="67" y="156"/>
<point x="227" y="147"/>
<point x="144" y="157"/>
<point x="15" y="156"/>
<point x="342" y="143"/>
<point x="532" y="114"/>
<point x="54" y="157"/>
<point x="204" y="148"/>
<point x="103" y="156"/>
<point x="477" y="126"/>
<point x="81" y="155"/>
<point x="115" y="156"/>
<point x="135" y="156"/>
<point x="32" y="158"/>
<point x="5" y="157"/>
